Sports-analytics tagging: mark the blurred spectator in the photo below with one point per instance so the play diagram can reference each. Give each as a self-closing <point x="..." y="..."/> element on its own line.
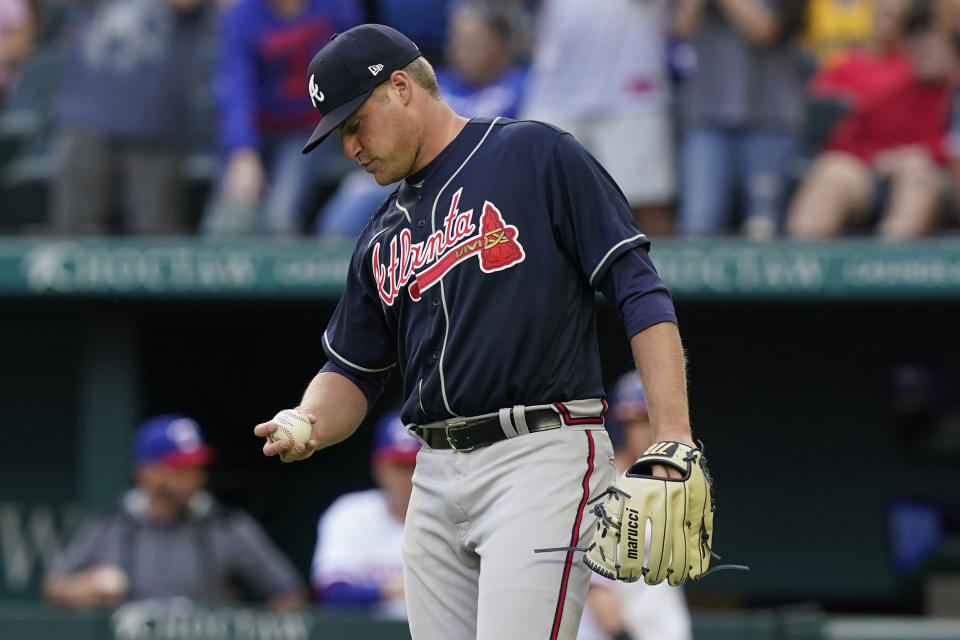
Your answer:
<point x="836" y="26"/>
<point x="17" y="33"/>
<point x="742" y="108"/>
<point x="883" y="161"/>
<point x="125" y="102"/>
<point x="600" y="72"/>
<point x="268" y="186"/>
<point x="480" y="79"/>
<point x="357" y="561"/>
<point x="636" y="611"/>
<point x="171" y="538"/>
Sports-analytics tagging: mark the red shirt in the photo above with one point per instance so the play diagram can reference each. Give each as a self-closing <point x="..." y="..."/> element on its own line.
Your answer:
<point x="890" y="107"/>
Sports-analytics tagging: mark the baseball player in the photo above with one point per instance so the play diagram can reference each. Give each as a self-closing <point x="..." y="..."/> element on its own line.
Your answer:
<point x="476" y="280"/>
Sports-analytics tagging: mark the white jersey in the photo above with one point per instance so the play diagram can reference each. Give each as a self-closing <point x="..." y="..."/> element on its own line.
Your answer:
<point x="358" y="542"/>
<point x="650" y="612"/>
<point x="598" y="57"/>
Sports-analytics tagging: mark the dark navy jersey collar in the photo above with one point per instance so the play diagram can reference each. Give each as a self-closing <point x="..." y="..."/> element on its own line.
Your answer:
<point x="465" y="141"/>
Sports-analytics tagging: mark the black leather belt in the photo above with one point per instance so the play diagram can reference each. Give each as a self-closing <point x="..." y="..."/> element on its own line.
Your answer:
<point x="470" y="435"/>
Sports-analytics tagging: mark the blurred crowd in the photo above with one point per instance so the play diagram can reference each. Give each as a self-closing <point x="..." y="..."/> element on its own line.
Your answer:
<point x="761" y="118"/>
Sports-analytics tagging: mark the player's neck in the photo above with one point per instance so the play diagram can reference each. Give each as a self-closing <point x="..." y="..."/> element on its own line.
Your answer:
<point x="443" y="125"/>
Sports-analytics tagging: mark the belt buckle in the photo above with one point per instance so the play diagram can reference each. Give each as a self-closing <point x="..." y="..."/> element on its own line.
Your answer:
<point x="446" y="433"/>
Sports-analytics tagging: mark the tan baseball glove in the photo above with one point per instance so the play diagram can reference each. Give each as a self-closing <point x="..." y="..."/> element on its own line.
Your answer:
<point x="679" y="512"/>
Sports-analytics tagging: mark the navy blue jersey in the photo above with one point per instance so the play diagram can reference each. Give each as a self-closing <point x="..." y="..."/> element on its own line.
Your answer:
<point x="476" y="278"/>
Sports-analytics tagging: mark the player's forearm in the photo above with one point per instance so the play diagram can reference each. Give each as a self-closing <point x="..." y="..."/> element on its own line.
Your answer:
<point x="338" y="404"/>
<point x="658" y="352"/>
<point x="57" y="590"/>
<point x="74" y="591"/>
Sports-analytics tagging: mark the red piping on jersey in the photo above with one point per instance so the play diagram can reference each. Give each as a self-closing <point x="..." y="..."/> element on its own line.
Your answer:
<point x="588" y="420"/>
<point x="574" y="538"/>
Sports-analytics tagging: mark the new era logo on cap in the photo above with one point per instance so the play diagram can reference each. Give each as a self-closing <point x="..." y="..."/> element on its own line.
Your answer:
<point x="349" y="68"/>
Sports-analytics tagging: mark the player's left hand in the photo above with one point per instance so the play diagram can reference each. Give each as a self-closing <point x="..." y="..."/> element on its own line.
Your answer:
<point x="670" y="487"/>
<point x="288" y="452"/>
<point x="681" y="436"/>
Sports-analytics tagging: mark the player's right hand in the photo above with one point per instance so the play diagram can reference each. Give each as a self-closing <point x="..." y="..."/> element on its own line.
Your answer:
<point x="283" y="446"/>
<point x="90" y="588"/>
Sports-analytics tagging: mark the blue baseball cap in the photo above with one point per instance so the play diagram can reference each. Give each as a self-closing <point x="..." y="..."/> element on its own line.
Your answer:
<point x="392" y="443"/>
<point x="628" y="402"/>
<point x="344" y="73"/>
<point x="172" y="440"/>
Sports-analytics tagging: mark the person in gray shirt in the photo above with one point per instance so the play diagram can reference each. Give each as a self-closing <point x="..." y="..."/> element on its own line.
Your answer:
<point x="742" y="110"/>
<point x="171" y="538"/>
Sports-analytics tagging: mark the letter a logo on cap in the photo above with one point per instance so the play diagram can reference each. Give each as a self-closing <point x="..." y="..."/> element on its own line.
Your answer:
<point x="375" y="68"/>
<point x="315" y="94"/>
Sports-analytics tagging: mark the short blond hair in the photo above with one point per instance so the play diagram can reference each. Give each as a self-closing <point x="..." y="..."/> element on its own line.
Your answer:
<point x="422" y="73"/>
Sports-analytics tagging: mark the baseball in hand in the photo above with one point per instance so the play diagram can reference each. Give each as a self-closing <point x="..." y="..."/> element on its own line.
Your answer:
<point x="293" y="426"/>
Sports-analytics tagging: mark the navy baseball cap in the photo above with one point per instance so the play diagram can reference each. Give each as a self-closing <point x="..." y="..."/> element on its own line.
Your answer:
<point x="348" y="68"/>
<point x="392" y="443"/>
<point x="172" y="440"/>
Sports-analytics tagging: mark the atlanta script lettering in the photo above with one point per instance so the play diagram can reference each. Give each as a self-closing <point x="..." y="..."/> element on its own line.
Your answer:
<point x="423" y="264"/>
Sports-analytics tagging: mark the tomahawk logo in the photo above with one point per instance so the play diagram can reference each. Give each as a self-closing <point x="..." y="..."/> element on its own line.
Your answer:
<point x="315" y="94"/>
<point x="423" y="264"/>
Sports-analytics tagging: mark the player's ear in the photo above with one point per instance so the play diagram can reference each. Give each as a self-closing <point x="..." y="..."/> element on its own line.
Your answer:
<point x="401" y="85"/>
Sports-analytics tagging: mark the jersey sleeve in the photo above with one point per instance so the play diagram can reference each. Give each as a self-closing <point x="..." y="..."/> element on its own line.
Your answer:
<point x="633" y="286"/>
<point x="370" y="385"/>
<point x="590" y="215"/>
<point x="357" y="338"/>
